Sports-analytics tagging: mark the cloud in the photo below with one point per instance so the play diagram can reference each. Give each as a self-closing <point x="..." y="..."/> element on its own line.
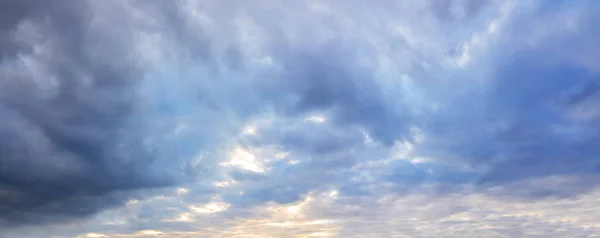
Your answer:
<point x="69" y="137"/>
<point x="264" y="105"/>
<point x="518" y="121"/>
<point x="503" y="114"/>
<point x="417" y="213"/>
<point x="489" y="114"/>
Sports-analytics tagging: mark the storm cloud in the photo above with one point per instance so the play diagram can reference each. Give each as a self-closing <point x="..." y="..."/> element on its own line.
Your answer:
<point x="68" y="97"/>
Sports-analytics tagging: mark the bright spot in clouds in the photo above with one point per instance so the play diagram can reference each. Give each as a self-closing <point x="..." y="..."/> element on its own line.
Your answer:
<point x="250" y="130"/>
<point x="182" y="191"/>
<point x="317" y="119"/>
<point x="150" y="232"/>
<point x="224" y="183"/>
<point x="94" y="235"/>
<point x="212" y="207"/>
<point x="293" y="210"/>
<point x="243" y="159"/>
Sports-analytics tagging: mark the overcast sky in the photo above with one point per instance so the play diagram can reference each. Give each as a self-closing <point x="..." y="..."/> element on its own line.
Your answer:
<point x="300" y="118"/>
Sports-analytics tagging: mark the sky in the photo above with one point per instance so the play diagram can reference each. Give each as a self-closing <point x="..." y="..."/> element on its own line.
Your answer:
<point x="303" y="118"/>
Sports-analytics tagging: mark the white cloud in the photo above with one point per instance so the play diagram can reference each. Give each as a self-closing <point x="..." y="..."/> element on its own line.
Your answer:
<point x="213" y="207"/>
<point x="244" y="159"/>
<point x="317" y="119"/>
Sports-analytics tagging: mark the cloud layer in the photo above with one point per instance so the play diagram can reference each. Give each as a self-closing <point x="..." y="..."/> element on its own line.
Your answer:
<point x="370" y="108"/>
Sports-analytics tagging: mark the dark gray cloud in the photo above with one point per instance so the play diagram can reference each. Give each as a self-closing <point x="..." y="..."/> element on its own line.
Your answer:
<point x="69" y="141"/>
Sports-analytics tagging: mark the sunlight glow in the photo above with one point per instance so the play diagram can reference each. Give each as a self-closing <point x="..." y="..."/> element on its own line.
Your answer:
<point x="150" y="232"/>
<point x="94" y="235"/>
<point x="213" y="207"/>
<point x="185" y="217"/>
<point x="318" y="119"/>
<point x="250" y="130"/>
<point x="294" y="210"/>
<point x="243" y="159"/>
<point x="223" y="183"/>
<point x="181" y="191"/>
<point x="333" y="194"/>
